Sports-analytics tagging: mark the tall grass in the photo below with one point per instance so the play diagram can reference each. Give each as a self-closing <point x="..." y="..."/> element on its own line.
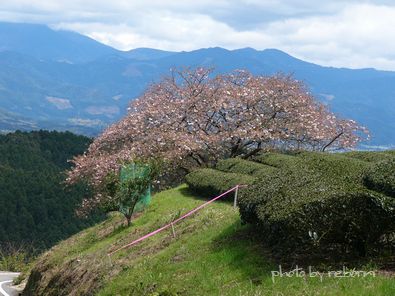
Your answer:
<point x="14" y="257"/>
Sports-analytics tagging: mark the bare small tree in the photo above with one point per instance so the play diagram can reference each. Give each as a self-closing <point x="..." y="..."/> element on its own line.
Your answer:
<point x="115" y="193"/>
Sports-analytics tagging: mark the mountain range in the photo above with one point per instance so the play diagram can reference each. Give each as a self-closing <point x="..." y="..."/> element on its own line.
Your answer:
<point x="53" y="79"/>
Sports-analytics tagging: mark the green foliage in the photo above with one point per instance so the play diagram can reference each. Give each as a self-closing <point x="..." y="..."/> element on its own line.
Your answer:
<point x="371" y="156"/>
<point x="210" y="182"/>
<point x="35" y="207"/>
<point x="318" y="202"/>
<point x="390" y="152"/>
<point x="241" y="166"/>
<point x="381" y="177"/>
<point x="311" y="201"/>
<point x="212" y="254"/>
<point x="277" y="160"/>
<point x="126" y="189"/>
<point x="14" y="259"/>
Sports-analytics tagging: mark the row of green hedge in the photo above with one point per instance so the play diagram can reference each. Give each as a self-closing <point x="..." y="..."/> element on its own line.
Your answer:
<point x="319" y="201"/>
<point x="311" y="201"/>
<point x="381" y="177"/>
<point x="370" y="156"/>
<point x="241" y="166"/>
<point x="277" y="160"/>
<point x="320" y="205"/>
<point x="210" y="182"/>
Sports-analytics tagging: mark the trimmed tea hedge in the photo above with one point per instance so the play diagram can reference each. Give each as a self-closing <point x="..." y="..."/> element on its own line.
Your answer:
<point x="370" y="156"/>
<point x="311" y="202"/>
<point x="277" y="160"/>
<point x="381" y="177"/>
<point x="241" y="166"/>
<point x="318" y="202"/>
<point x="210" y="182"/>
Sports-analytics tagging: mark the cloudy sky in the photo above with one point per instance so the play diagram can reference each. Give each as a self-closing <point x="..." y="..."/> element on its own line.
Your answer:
<point x="339" y="33"/>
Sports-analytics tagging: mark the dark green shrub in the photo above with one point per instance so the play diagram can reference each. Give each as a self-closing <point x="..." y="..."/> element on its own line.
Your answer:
<point x="381" y="177"/>
<point x="310" y="201"/>
<point x="277" y="160"/>
<point x="241" y="166"/>
<point x="333" y="168"/>
<point x="318" y="202"/>
<point x="370" y="156"/>
<point x="390" y="152"/>
<point x="211" y="182"/>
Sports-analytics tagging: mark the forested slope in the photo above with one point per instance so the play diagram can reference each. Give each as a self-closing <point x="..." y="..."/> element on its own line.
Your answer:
<point x="35" y="207"/>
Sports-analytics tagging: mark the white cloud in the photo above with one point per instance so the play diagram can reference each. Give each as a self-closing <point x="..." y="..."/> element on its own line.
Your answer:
<point x="358" y="36"/>
<point x="337" y="33"/>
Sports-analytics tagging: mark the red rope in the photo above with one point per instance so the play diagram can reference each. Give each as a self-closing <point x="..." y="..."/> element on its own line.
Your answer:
<point x="173" y="222"/>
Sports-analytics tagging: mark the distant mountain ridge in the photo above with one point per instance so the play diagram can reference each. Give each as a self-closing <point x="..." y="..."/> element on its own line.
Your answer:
<point x="41" y="42"/>
<point x="64" y="80"/>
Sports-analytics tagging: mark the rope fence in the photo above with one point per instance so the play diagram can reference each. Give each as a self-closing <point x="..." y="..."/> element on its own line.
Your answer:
<point x="171" y="224"/>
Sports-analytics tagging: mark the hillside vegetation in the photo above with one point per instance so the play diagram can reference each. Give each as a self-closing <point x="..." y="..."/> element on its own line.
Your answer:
<point x="36" y="210"/>
<point x="212" y="254"/>
<point x="337" y="205"/>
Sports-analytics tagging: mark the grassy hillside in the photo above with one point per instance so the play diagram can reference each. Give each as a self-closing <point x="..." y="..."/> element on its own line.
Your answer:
<point x="212" y="254"/>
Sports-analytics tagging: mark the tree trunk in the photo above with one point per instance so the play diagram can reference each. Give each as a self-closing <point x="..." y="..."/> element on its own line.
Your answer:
<point x="128" y="219"/>
<point x="253" y="152"/>
<point x="332" y="141"/>
<point x="235" y="148"/>
<point x="129" y="215"/>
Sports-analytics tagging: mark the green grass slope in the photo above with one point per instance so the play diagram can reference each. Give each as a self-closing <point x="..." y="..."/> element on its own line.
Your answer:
<point x="212" y="254"/>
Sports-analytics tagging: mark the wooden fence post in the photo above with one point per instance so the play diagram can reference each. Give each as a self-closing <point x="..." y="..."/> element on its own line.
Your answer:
<point x="172" y="229"/>
<point x="235" y="200"/>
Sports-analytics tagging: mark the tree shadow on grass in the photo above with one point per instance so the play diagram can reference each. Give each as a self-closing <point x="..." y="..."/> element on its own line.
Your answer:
<point x="245" y="252"/>
<point x="256" y="260"/>
<point x="243" y="247"/>
<point x="206" y="197"/>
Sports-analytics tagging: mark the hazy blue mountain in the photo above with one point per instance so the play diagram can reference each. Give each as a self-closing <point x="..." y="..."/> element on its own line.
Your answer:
<point x="144" y="54"/>
<point x="38" y="90"/>
<point x="41" y="42"/>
